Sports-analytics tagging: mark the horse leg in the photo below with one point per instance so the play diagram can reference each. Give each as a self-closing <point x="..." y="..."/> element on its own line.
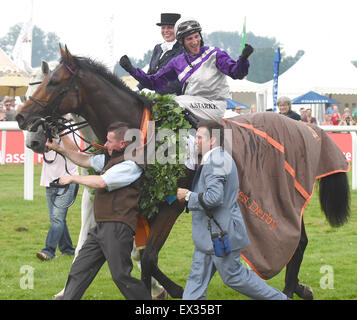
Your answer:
<point x="159" y="231"/>
<point x="292" y="270"/>
<point x="160" y="228"/>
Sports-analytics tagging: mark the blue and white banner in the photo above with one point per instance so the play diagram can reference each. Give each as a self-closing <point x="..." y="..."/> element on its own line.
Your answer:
<point x="275" y="78"/>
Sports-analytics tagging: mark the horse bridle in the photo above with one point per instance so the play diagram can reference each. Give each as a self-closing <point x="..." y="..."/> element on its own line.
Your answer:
<point x="56" y="102"/>
<point x="52" y="125"/>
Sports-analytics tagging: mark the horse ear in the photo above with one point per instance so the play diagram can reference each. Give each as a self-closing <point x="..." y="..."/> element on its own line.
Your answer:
<point x="45" y="67"/>
<point x="62" y="52"/>
<point x="68" y="54"/>
<point x="69" y="58"/>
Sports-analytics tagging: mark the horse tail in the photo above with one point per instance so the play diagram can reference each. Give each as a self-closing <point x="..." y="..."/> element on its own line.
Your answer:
<point x="335" y="198"/>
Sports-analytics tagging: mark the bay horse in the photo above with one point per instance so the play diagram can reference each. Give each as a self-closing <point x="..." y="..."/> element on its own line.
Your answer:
<point x="35" y="140"/>
<point x="84" y="87"/>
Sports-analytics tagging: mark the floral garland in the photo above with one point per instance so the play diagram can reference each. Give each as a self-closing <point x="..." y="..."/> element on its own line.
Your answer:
<point x="160" y="180"/>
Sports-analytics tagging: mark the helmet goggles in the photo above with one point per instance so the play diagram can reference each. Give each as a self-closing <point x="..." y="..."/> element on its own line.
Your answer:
<point x="188" y="25"/>
<point x="186" y="28"/>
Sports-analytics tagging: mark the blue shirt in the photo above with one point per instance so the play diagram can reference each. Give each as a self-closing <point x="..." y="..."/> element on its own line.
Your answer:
<point x="119" y="175"/>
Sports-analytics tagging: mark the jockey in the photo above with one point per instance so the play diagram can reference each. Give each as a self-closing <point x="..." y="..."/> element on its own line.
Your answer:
<point x="201" y="71"/>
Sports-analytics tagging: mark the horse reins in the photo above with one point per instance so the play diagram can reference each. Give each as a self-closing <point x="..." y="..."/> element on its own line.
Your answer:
<point x="56" y="185"/>
<point x="79" y="125"/>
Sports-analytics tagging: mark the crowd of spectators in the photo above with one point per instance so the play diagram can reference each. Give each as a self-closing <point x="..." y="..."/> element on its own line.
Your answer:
<point x="332" y="116"/>
<point x="7" y="109"/>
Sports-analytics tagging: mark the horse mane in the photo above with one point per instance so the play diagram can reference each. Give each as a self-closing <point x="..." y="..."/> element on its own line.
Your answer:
<point x="100" y="69"/>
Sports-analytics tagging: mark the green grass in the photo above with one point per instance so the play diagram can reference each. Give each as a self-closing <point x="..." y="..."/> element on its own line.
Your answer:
<point x="327" y="246"/>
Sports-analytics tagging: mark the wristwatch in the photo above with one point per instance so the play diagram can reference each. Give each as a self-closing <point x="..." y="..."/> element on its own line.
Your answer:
<point x="187" y="195"/>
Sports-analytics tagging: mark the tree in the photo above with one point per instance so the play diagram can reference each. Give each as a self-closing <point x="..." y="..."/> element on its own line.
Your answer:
<point x="261" y="61"/>
<point x="7" y="43"/>
<point x="139" y="63"/>
<point x="44" y="45"/>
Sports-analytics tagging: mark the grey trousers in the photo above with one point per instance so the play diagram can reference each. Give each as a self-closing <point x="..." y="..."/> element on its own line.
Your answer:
<point x="233" y="274"/>
<point x="111" y="242"/>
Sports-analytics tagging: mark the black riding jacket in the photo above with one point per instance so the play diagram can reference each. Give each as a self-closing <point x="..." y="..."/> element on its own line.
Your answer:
<point x="173" y="87"/>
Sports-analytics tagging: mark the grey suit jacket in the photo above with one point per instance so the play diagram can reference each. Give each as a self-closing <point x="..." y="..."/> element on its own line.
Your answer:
<point x="218" y="180"/>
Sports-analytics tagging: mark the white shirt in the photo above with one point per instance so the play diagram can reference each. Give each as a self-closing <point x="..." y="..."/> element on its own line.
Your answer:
<point x="57" y="169"/>
<point x="166" y="46"/>
<point x="206" y="155"/>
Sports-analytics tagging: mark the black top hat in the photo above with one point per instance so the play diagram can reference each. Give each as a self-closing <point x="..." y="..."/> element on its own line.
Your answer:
<point x="168" y="19"/>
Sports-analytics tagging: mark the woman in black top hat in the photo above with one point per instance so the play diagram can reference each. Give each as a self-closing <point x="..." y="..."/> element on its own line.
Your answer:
<point x="165" y="51"/>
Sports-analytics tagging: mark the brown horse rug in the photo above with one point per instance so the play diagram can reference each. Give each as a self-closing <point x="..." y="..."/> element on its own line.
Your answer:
<point x="278" y="160"/>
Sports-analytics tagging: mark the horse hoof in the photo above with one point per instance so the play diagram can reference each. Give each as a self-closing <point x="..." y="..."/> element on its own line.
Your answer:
<point x="58" y="296"/>
<point x="163" y="295"/>
<point x="304" y="292"/>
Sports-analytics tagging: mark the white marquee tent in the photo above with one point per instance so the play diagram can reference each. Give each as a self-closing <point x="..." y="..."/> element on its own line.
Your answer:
<point x="7" y="65"/>
<point x="319" y="70"/>
<point x="248" y="92"/>
<point x="13" y="81"/>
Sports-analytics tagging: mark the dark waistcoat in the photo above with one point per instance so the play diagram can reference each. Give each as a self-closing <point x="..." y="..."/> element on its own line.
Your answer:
<point x="120" y="205"/>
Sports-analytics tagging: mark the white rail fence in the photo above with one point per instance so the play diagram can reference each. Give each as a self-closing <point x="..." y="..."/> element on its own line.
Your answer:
<point x="29" y="155"/>
<point x="352" y="130"/>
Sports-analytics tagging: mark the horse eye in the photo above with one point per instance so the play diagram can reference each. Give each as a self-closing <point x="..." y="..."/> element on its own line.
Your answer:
<point x="52" y="82"/>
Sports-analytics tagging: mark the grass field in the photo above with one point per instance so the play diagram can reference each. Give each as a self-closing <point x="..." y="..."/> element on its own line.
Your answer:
<point x="329" y="265"/>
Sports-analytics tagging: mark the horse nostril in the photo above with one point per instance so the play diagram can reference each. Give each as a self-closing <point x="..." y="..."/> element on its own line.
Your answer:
<point x="34" y="144"/>
<point x="20" y="119"/>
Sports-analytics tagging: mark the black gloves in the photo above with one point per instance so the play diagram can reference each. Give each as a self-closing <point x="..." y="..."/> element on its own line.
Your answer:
<point x="126" y="64"/>
<point x="247" y="51"/>
<point x="191" y="118"/>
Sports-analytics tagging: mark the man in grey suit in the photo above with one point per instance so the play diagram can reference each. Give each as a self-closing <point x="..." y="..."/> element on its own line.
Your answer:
<point x="214" y="194"/>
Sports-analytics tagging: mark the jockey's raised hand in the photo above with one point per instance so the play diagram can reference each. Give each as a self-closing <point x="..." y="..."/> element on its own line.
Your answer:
<point x="126" y="64"/>
<point x="247" y="51"/>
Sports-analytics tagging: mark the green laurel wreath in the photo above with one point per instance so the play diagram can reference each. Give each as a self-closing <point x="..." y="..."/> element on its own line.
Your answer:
<point x="160" y="180"/>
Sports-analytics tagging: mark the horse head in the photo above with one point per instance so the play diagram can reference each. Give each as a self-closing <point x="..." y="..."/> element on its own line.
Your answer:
<point x="82" y="86"/>
<point x="54" y="96"/>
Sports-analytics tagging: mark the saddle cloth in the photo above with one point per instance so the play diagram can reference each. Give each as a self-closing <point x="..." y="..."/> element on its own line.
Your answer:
<point x="202" y="108"/>
<point x="278" y="161"/>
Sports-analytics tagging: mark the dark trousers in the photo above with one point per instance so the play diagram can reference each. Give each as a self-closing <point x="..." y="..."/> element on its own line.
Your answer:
<point x="293" y="267"/>
<point x="111" y="242"/>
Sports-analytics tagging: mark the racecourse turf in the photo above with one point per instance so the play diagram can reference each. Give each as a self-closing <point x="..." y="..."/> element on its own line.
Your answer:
<point x="329" y="264"/>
